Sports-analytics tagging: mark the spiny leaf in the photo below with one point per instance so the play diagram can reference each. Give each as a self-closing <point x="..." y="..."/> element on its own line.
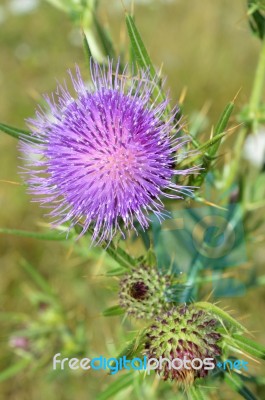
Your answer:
<point x="224" y="316"/>
<point x="114" y="251"/>
<point x="122" y="258"/>
<point x="221" y="126"/>
<point x="203" y="147"/>
<point x="207" y="151"/>
<point x="142" y="57"/>
<point x="211" y="142"/>
<point x="112" y="311"/>
<point x="250" y="346"/>
<point x="138" y="46"/>
<point x="18" y="133"/>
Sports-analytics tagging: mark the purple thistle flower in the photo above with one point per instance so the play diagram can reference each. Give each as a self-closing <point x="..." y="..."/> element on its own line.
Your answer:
<point x="106" y="155"/>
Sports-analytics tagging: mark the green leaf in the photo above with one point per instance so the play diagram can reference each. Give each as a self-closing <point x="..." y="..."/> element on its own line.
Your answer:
<point x="36" y="235"/>
<point x="104" y="39"/>
<point x="116" y="252"/>
<point x="209" y="149"/>
<point x="87" y="50"/>
<point x="18" y="133"/>
<point x="248" y="345"/>
<point x="203" y="147"/>
<point x="121" y="383"/>
<point x="234" y="381"/>
<point x="256" y="17"/>
<point x="138" y="47"/>
<point x="116" y="271"/>
<point x="224" y="316"/>
<point x="112" y="311"/>
<point x="14" y="369"/>
<point x="142" y="58"/>
<point x="221" y="126"/>
<point x="122" y="258"/>
<point x="211" y="142"/>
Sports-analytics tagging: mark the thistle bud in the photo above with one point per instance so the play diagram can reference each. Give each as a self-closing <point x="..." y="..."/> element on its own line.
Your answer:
<point x="183" y="333"/>
<point x="143" y="292"/>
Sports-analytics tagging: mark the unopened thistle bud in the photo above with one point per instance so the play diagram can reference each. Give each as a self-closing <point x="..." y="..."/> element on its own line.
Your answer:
<point x="143" y="292"/>
<point x="184" y="333"/>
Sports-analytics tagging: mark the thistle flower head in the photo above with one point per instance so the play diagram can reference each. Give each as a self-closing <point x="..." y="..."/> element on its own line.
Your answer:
<point x="143" y="292"/>
<point x="183" y="332"/>
<point x="105" y="155"/>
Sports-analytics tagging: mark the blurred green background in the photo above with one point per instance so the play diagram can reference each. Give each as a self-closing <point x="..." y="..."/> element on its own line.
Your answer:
<point x="204" y="46"/>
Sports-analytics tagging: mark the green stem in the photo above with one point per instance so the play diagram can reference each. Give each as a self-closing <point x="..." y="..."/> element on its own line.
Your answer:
<point x="258" y="84"/>
<point x="254" y="104"/>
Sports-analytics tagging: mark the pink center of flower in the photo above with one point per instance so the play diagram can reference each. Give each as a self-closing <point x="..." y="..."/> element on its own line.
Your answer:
<point x="116" y="163"/>
<point x="120" y="163"/>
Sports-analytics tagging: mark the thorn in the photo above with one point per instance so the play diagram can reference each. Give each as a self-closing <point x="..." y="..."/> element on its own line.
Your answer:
<point x="209" y="203"/>
<point x="234" y="99"/>
<point x="212" y="131"/>
<point x="182" y="95"/>
<point x="13" y="183"/>
<point x="209" y="295"/>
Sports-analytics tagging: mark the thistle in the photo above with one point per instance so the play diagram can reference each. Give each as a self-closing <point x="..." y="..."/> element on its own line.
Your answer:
<point x="106" y="156"/>
<point x="143" y="292"/>
<point x="183" y="332"/>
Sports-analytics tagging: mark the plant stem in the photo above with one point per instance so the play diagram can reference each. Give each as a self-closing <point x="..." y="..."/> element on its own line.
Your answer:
<point x="257" y="89"/>
<point x="254" y="104"/>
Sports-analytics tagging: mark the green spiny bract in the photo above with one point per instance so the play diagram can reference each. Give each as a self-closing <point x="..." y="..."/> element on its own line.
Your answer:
<point x="184" y="331"/>
<point x="143" y="292"/>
